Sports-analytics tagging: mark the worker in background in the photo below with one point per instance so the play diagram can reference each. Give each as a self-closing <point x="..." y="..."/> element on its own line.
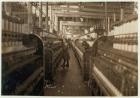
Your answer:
<point x="69" y="43"/>
<point x="49" y="67"/>
<point x="54" y="31"/>
<point x="65" y="56"/>
<point x="86" y="58"/>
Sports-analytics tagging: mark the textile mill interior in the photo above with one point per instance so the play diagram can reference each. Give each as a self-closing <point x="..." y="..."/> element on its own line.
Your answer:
<point x="69" y="48"/>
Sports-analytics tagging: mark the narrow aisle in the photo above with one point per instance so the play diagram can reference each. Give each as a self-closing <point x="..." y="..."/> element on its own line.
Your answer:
<point x="69" y="82"/>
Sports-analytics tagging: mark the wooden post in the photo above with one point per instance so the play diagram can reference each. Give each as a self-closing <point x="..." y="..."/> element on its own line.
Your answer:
<point x="29" y="17"/>
<point x="40" y="15"/>
<point x="121" y="14"/>
<point x="114" y="17"/>
<point x="47" y="17"/>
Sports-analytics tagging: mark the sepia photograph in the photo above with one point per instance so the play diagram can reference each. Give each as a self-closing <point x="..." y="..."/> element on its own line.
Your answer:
<point x="65" y="48"/>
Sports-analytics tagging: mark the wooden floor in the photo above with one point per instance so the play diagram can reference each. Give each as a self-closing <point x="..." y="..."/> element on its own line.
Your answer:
<point x="69" y="82"/>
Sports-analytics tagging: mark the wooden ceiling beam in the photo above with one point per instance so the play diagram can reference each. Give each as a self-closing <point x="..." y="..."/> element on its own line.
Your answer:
<point x="110" y="5"/>
<point x="97" y="10"/>
<point x="85" y="15"/>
